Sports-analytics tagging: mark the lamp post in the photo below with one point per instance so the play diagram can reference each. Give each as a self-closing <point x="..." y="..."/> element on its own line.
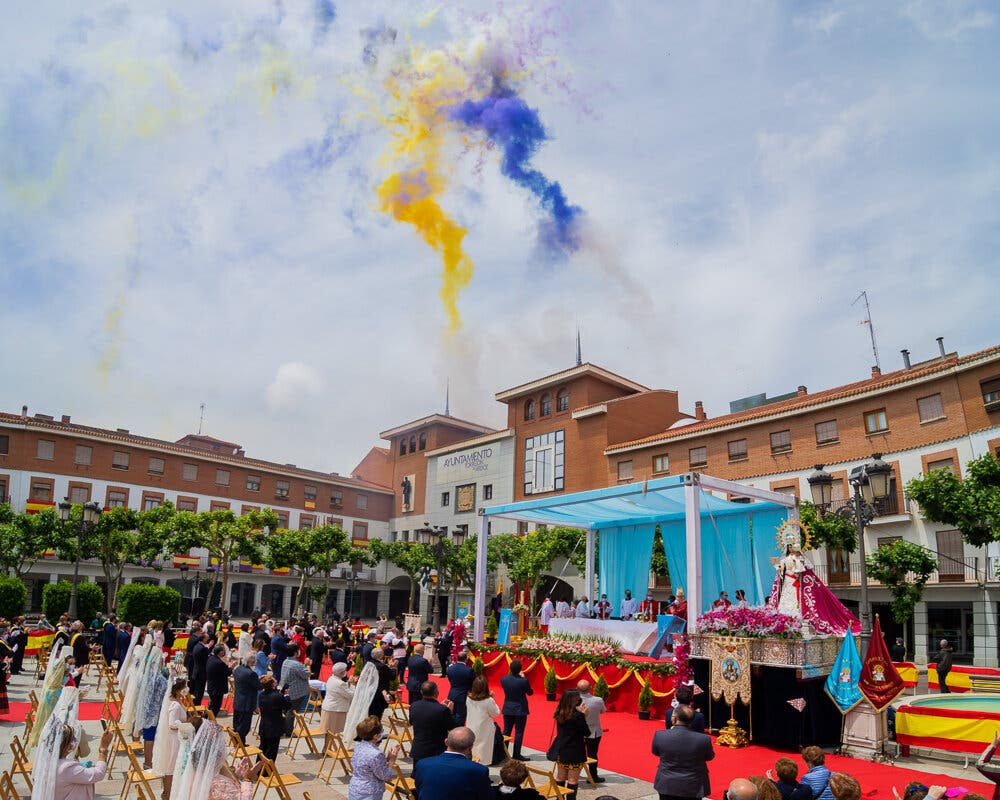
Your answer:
<point x="352" y="585"/>
<point x="90" y="512"/>
<point x="434" y="537"/>
<point x="870" y="483"/>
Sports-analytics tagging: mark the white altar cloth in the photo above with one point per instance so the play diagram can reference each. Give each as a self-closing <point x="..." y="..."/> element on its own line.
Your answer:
<point x="632" y="635"/>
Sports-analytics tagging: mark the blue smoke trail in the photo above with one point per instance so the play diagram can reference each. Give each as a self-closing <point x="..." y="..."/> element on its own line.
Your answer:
<point x="326" y="13"/>
<point x="516" y="128"/>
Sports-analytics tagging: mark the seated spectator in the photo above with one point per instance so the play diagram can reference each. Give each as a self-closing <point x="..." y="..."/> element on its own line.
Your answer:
<point x="766" y="790"/>
<point x="844" y="786"/>
<point x="787" y="784"/>
<point x="817" y="778"/>
<point x="512" y="774"/>
<point x="740" y="789"/>
<point x="915" y="790"/>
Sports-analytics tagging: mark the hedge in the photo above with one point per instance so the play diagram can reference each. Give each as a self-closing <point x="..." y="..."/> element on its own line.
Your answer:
<point x="139" y="603"/>
<point x="13" y="597"/>
<point x="89" y="600"/>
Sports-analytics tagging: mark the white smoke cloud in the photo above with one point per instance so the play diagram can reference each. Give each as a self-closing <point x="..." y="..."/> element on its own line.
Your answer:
<point x="293" y="383"/>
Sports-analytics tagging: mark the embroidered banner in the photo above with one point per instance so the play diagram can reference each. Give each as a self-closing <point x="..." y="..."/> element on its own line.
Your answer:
<point x="730" y="669"/>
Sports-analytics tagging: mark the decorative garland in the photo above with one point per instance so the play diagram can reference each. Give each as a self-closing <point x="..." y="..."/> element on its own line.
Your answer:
<point x="661" y="669"/>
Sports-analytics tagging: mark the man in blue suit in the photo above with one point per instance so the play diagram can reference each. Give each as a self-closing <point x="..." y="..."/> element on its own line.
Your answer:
<point x="279" y="649"/>
<point x="453" y="774"/>
<point x="515" y="706"/>
<point x="460" y="676"/>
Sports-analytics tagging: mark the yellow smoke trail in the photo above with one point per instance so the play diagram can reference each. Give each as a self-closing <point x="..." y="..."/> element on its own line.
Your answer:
<point x="412" y="193"/>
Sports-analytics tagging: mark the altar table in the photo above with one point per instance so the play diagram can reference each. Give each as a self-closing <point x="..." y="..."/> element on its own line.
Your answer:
<point x="636" y="637"/>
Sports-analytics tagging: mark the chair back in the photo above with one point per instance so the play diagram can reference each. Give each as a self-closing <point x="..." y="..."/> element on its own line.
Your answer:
<point x="7" y="790"/>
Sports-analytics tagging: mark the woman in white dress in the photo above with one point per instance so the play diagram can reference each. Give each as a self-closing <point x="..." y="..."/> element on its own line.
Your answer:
<point x="481" y="708"/>
<point x="337" y="701"/>
<point x="173" y="714"/>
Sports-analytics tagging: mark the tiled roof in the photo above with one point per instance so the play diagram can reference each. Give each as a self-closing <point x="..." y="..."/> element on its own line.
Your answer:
<point x="194" y="452"/>
<point x="568" y="374"/>
<point x="807" y="400"/>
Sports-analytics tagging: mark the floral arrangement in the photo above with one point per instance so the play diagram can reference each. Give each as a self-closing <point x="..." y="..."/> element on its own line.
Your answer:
<point x="682" y="660"/>
<point x="756" y="623"/>
<point x="573" y="648"/>
<point x="521" y="608"/>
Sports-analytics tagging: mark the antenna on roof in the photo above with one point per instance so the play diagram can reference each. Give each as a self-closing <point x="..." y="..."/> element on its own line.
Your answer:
<point x="871" y="327"/>
<point x="201" y="421"/>
<point x="447" y="397"/>
<point x="579" y="354"/>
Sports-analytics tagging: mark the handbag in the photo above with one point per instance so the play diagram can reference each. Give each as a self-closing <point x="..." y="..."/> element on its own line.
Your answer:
<point x="289" y="723"/>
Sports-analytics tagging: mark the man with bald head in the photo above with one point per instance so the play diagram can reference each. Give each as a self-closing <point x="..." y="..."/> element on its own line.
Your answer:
<point x="593" y="708"/>
<point x="741" y="789"/>
<point x="684" y="755"/>
<point x="453" y="773"/>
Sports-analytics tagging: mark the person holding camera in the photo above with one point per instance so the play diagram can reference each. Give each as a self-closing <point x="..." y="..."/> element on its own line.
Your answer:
<point x="569" y="749"/>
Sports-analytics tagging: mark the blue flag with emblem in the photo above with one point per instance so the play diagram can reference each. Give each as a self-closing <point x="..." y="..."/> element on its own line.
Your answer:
<point x="842" y="682"/>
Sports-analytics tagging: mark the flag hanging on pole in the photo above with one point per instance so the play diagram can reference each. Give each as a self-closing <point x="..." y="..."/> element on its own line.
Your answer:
<point x="879" y="682"/>
<point x="842" y="682"/>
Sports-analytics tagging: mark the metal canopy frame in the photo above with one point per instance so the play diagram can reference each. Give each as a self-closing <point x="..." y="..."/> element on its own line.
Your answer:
<point x="632" y="512"/>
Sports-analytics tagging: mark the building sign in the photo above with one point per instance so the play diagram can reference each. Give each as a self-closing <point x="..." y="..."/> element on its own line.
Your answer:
<point x="468" y="465"/>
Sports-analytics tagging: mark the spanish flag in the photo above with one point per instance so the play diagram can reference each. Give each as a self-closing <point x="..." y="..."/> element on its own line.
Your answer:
<point x="280" y="571"/>
<point x="359" y="542"/>
<point x="34" y="506"/>
<point x="48" y="553"/>
<point x="186" y="561"/>
<point x="310" y="505"/>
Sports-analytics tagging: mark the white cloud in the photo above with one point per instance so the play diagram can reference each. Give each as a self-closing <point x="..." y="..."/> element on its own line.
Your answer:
<point x="955" y="20"/>
<point x="295" y="385"/>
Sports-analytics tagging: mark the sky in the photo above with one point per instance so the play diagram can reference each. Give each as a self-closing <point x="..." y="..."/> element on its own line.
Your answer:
<point x="310" y="216"/>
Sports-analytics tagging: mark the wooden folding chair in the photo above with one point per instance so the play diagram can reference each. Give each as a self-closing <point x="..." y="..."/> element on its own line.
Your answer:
<point x="270" y="778"/>
<point x="120" y="745"/>
<point x="401" y="787"/>
<point x="20" y="764"/>
<point x="240" y="750"/>
<point x="314" y="703"/>
<point x="399" y="731"/>
<point x="337" y="753"/>
<point x="7" y="790"/>
<point x="227" y="701"/>
<point x="29" y="723"/>
<point x="301" y="731"/>
<point x="137" y="777"/>
<point x="548" y="788"/>
<point x="586" y="770"/>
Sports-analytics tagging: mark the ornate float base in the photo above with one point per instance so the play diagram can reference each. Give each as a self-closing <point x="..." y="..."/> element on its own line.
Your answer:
<point x="812" y="657"/>
<point x="733" y="735"/>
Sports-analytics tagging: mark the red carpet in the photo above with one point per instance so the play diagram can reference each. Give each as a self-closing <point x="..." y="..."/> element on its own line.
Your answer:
<point x="89" y="710"/>
<point x="625" y="749"/>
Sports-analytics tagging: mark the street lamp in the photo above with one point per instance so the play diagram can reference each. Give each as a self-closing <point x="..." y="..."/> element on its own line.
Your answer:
<point x="352" y="585"/>
<point x="433" y="537"/>
<point x="90" y="512"/>
<point x="871" y="483"/>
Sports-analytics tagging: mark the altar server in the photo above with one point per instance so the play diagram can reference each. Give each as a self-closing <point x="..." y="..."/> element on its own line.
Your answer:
<point x="546" y="614"/>
<point x="583" y="609"/>
<point x="603" y="608"/>
<point x="562" y="610"/>
<point x="630" y="606"/>
<point x="649" y="608"/>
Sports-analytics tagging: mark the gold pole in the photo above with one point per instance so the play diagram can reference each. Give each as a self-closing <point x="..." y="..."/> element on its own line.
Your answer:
<point x="732" y="735"/>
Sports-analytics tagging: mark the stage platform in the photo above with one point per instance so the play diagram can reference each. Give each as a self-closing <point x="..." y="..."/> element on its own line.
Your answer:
<point x="635" y="637"/>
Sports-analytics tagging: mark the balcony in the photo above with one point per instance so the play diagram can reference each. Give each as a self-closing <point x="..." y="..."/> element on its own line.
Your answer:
<point x="949" y="571"/>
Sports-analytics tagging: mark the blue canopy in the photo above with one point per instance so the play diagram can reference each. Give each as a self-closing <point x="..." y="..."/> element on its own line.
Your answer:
<point x="737" y="539"/>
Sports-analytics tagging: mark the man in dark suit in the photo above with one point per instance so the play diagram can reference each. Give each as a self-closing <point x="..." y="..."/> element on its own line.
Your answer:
<point x="386" y="675"/>
<point x="684" y="755"/>
<point x="109" y="642"/>
<point x="317" y="649"/>
<point x="685" y="697"/>
<point x="193" y="638"/>
<point x="368" y="648"/>
<point x="453" y="774"/>
<point x="81" y="648"/>
<point x="279" y="649"/>
<point x="420" y="671"/>
<point x="444" y="645"/>
<point x="515" y="706"/>
<point x="246" y="687"/>
<point x="338" y="653"/>
<point x="460" y="676"/>
<point x="199" y="663"/>
<point x="431" y="722"/>
<point x="217" y="674"/>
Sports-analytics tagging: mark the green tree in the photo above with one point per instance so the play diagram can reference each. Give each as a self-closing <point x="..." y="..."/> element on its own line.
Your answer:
<point x="24" y="538"/>
<point x="413" y="558"/>
<point x="13" y="597"/>
<point x="139" y="603"/>
<point x="225" y="536"/>
<point x="658" y="563"/>
<point x="527" y="558"/>
<point x="971" y="505"/>
<point x="831" y="530"/>
<point x="903" y="568"/>
<point x="55" y="600"/>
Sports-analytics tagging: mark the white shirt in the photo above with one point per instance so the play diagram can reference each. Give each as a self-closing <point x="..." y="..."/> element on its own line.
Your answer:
<point x="583" y="610"/>
<point x="562" y="609"/>
<point x="630" y="607"/>
<point x="547" y="613"/>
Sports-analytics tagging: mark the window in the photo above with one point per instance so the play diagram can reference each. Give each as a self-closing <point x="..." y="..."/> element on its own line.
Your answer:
<point x="991" y="393"/>
<point x="120" y="460"/>
<point x="522" y="528"/>
<point x="359" y="530"/>
<point x="189" y="472"/>
<point x="245" y="509"/>
<point x="282" y="519"/>
<point x="281" y="488"/>
<point x="422" y="442"/>
<point x="661" y="464"/>
<point x="562" y="400"/>
<point x="3" y="490"/>
<point x="309" y="493"/>
<point x="84" y="455"/>
<point x="781" y="442"/>
<point x="222" y="477"/>
<point x="529" y="409"/>
<point x="4" y="444"/>
<point x="930" y="408"/>
<point x="79" y="494"/>
<point x="41" y="492"/>
<point x="885" y="541"/>
<point x="737" y="449"/>
<point x="306" y="522"/>
<point x="361" y="501"/>
<point x="624" y="470"/>
<point x="698" y="456"/>
<point x="875" y="421"/>
<point x="155" y="466"/>
<point x="218" y="505"/>
<point x="487" y="491"/>
<point x="944" y="463"/>
<point x="826" y="432"/>
<point x="46" y="450"/>
<point x="544" y="462"/>
<point x="951" y="556"/>
<point x="402" y="446"/>
<point x="336" y="497"/>
<point x="792" y="489"/>
<point x="545" y="405"/>
<point x="445" y="499"/>
<point x="151" y="501"/>
<point x="117" y="498"/>
<point x="253" y="483"/>
<point x="187" y="504"/>
<point x="413" y="444"/>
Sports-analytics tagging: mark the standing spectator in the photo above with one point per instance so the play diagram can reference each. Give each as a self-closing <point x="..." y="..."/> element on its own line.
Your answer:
<point x="460" y="678"/>
<point x="337" y="700"/>
<point x="568" y="750"/>
<point x="81" y="648"/>
<point x="370" y="767"/>
<point x="452" y="774"/>
<point x="109" y="640"/>
<point x="168" y="635"/>
<point x="943" y="659"/>
<point x="217" y="674"/>
<point x="295" y="678"/>
<point x="817" y="778"/>
<point x="261" y="659"/>
<point x="199" y="663"/>
<point x="443" y="647"/>
<point x="386" y="675"/>
<point x="338" y="653"/>
<point x="399" y="644"/>
<point x="420" y="670"/>
<point x="244" y="645"/>
<point x="593" y="708"/>
<point x="368" y="647"/>
<point x="279" y="649"/>
<point x="193" y="638"/>
<point x="515" y="706"/>
<point x="273" y="705"/>
<point x="685" y="697"/>
<point x="898" y="650"/>
<point x="299" y="640"/>
<point x="481" y="708"/>
<point x="684" y="755"/>
<point x="317" y="649"/>
<point x="788" y="784"/>
<point x="246" y="688"/>
<point x="124" y="640"/>
<point x="431" y="722"/>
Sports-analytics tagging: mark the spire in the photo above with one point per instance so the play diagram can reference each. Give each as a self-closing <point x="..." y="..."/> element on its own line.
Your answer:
<point x="579" y="356"/>
<point x="447" y="397"/>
